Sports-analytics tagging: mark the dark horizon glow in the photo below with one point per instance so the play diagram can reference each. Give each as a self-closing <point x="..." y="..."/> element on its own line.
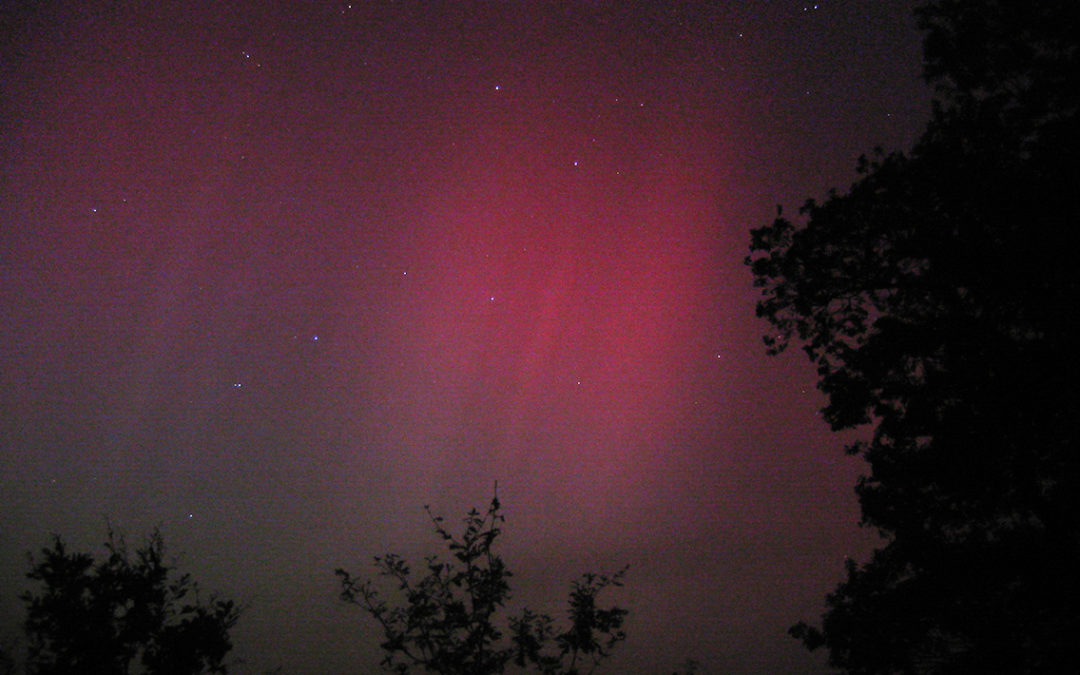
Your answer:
<point x="273" y="277"/>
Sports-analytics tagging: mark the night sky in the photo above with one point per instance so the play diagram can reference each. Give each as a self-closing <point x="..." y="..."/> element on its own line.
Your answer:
<point x="273" y="276"/>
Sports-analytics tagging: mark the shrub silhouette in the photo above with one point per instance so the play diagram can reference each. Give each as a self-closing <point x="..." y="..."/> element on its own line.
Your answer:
<point x="446" y="622"/>
<point x="128" y="610"/>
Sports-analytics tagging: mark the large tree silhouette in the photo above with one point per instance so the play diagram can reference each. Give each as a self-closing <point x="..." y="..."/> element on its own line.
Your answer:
<point x="126" y="613"/>
<point x="446" y="621"/>
<point x="938" y="298"/>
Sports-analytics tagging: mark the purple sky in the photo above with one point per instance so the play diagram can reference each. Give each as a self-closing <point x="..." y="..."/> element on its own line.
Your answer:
<point x="275" y="275"/>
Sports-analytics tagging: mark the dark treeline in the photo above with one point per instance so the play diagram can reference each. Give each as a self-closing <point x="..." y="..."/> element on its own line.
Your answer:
<point x="131" y="611"/>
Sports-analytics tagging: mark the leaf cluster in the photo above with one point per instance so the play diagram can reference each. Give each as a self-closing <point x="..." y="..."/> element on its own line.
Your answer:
<point x="104" y="617"/>
<point x="446" y="621"/>
<point x="589" y="639"/>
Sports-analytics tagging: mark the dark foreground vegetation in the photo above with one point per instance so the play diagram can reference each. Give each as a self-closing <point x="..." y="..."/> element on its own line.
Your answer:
<point x="132" y="612"/>
<point x="447" y="619"/>
<point x="938" y="299"/>
<point x="126" y="612"/>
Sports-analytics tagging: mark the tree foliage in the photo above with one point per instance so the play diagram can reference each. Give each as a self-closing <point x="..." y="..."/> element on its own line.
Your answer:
<point x="447" y="621"/>
<point x="937" y="298"/>
<point x="126" y="613"/>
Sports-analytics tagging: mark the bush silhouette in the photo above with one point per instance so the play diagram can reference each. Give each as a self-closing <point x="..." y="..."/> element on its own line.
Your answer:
<point x="127" y="611"/>
<point x="446" y="620"/>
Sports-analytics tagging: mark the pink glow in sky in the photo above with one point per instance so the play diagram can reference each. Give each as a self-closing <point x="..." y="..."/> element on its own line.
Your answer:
<point x="275" y="275"/>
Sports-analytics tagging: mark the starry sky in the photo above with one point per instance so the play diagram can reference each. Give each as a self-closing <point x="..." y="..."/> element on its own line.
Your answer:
<point x="273" y="276"/>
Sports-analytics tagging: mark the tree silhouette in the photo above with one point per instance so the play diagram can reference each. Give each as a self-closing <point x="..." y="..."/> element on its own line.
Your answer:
<point x="937" y="298"/>
<point x="126" y="611"/>
<point x="447" y="621"/>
